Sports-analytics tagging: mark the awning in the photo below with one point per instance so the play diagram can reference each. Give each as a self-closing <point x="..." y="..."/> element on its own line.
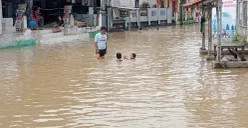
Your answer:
<point x="191" y="3"/>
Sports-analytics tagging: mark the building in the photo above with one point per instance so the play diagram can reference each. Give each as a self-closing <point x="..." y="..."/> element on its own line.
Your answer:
<point x="50" y="8"/>
<point x="192" y="9"/>
<point x="241" y="17"/>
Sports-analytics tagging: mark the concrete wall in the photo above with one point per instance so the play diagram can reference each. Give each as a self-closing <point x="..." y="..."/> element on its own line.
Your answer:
<point x="154" y="16"/>
<point x="159" y="14"/>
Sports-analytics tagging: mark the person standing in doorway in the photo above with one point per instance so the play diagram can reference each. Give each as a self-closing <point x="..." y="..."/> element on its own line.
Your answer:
<point x="101" y="43"/>
<point x="14" y="16"/>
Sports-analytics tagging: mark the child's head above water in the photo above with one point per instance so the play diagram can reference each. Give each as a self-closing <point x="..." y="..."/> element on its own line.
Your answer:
<point x="133" y="56"/>
<point x="118" y="56"/>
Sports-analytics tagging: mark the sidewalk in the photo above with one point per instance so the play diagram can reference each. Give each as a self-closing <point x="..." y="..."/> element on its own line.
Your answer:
<point x="10" y="35"/>
<point x="45" y="36"/>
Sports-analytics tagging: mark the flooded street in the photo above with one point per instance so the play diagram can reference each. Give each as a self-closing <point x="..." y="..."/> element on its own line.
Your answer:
<point x="169" y="85"/>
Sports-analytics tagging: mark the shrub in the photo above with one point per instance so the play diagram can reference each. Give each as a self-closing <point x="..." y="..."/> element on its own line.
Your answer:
<point x="237" y="38"/>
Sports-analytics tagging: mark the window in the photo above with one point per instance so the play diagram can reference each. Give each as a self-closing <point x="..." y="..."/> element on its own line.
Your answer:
<point x="153" y="13"/>
<point x="245" y="13"/>
<point x="162" y="13"/>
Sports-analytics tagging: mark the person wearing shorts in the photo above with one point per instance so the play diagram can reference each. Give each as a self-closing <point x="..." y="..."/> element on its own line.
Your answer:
<point x="101" y="43"/>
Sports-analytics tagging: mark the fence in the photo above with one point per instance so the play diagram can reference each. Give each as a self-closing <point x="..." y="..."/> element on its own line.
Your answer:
<point x="155" y="14"/>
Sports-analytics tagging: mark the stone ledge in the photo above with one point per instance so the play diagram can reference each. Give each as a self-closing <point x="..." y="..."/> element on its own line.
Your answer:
<point x="230" y="64"/>
<point x="203" y="52"/>
<point x="210" y="58"/>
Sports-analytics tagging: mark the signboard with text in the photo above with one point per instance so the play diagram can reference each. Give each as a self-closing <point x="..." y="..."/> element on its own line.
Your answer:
<point x="143" y="12"/>
<point x="123" y="13"/>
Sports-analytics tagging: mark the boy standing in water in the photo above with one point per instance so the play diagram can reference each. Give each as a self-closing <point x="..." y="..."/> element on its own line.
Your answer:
<point x="101" y="43"/>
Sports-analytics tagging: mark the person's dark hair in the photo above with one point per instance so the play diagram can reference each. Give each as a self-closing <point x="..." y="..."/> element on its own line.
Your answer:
<point x="134" y="55"/>
<point x="103" y="28"/>
<point x="118" y="55"/>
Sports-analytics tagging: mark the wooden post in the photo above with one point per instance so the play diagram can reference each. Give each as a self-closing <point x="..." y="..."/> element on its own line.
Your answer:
<point x="219" y="15"/>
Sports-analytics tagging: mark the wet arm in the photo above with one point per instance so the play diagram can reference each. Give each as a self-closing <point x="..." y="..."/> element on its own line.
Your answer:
<point x="96" y="44"/>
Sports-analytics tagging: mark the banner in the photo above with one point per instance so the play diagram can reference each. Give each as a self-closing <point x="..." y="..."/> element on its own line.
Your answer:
<point x="228" y="19"/>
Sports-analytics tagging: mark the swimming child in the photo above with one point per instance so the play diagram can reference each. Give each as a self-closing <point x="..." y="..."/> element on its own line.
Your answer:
<point x="119" y="56"/>
<point x="132" y="57"/>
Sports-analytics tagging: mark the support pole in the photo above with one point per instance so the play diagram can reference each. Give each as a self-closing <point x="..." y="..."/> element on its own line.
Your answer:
<point x="210" y="30"/>
<point x="181" y="12"/>
<point x="129" y="20"/>
<point x="237" y="16"/>
<point x="104" y="13"/>
<point x="219" y="14"/>
<point x="203" y="28"/>
<point x="138" y="18"/>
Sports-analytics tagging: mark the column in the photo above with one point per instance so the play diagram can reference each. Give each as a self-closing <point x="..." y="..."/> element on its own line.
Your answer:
<point x="110" y="19"/>
<point x="218" y="13"/>
<point x="203" y="28"/>
<point x="138" y="18"/>
<point x="210" y="45"/>
<point x="103" y="13"/>
<point x="1" y="17"/>
<point x="129" y="20"/>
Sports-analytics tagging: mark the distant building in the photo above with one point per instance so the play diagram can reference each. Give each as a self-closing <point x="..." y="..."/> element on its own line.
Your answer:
<point x="192" y="9"/>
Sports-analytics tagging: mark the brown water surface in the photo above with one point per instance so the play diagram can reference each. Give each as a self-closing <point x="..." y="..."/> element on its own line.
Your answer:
<point x="169" y="85"/>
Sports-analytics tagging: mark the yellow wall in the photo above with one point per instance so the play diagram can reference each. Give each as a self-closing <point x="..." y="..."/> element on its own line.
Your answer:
<point x="166" y="4"/>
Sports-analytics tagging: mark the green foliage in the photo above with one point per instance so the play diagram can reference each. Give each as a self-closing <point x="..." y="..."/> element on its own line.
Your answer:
<point x="187" y="22"/>
<point x="237" y="38"/>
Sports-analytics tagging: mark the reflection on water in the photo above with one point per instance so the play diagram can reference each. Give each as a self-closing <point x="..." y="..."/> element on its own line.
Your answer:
<point x="169" y="85"/>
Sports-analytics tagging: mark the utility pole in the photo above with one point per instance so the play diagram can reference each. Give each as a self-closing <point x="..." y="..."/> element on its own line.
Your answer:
<point x="181" y="12"/>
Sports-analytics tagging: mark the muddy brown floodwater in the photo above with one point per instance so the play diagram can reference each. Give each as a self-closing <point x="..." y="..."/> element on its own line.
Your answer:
<point x="169" y="85"/>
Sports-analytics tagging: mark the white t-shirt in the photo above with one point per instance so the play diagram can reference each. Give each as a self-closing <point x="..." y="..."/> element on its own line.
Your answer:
<point x="101" y="40"/>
